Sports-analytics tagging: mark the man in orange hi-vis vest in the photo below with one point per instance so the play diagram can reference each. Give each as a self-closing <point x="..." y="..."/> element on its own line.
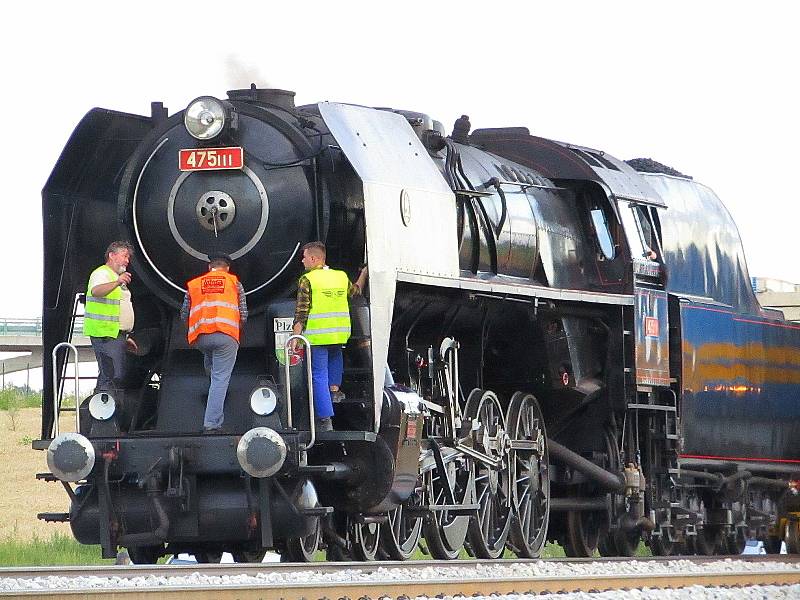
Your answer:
<point x="216" y="307"/>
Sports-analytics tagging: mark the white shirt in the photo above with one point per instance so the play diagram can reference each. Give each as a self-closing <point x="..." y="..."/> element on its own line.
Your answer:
<point x="125" y="305"/>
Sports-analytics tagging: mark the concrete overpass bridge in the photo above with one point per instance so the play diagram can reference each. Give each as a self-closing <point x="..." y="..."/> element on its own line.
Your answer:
<point x="25" y="335"/>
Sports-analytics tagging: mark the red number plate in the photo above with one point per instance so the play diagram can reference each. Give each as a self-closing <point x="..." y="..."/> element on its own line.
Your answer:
<point x="650" y="327"/>
<point x="210" y="159"/>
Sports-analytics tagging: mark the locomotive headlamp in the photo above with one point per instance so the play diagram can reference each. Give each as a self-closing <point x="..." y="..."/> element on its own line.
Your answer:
<point x="261" y="452"/>
<point x="70" y="457"/>
<point x="263" y="401"/>
<point x="102" y="406"/>
<point x="205" y="117"/>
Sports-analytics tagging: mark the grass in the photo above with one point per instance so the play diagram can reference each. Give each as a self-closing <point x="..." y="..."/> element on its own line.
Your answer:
<point x="59" y="549"/>
<point x="17" y="398"/>
<point x="62" y="549"/>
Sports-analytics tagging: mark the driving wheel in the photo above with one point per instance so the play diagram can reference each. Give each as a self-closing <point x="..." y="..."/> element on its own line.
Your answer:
<point x="488" y="530"/>
<point x="528" y="475"/>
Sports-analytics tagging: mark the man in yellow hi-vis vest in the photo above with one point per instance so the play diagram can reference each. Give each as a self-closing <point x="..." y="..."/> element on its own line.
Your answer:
<point x="108" y="316"/>
<point x="323" y="315"/>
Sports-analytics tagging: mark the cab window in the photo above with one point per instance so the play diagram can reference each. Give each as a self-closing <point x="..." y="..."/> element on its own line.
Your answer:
<point x="603" y="234"/>
<point x="648" y="227"/>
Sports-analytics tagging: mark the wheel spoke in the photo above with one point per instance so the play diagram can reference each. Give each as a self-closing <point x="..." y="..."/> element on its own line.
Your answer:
<point x="527" y="520"/>
<point x="523" y="498"/>
<point x="486" y="517"/>
<point x="398" y="522"/>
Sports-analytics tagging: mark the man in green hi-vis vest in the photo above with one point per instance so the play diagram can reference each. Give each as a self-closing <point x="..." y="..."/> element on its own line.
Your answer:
<point x="108" y="316"/>
<point x="323" y="315"/>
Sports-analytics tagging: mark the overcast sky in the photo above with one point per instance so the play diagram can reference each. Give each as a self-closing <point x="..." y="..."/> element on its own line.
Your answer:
<point x="709" y="88"/>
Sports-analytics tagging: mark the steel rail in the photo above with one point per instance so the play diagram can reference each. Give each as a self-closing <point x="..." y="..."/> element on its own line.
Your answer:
<point x="170" y="570"/>
<point x="317" y="589"/>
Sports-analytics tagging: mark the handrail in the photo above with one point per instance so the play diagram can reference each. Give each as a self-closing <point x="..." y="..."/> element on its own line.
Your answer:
<point x="56" y="398"/>
<point x="286" y="365"/>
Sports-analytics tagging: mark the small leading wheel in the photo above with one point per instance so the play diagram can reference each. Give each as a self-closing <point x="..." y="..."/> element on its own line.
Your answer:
<point x="736" y="542"/>
<point x="145" y="555"/>
<point x="366" y="539"/>
<point x="303" y="549"/>
<point x="707" y="540"/>
<point x="583" y="533"/>
<point x="528" y="475"/>
<point x="607" y="545"/>
<point x="488" y="530"/>
<point x="402" y="531"/>
<point x="445" y="532"/>
<point x="661" y="545"/>
<point x="793" y="536"/>
<point x="626" y="542"/>
<point x="772" y="544"/>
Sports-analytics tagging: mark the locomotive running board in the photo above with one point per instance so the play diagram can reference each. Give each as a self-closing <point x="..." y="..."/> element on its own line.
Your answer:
<point x="505" y="288"/>
<point x="53" y="517"/>
<point x="346" y="436"/>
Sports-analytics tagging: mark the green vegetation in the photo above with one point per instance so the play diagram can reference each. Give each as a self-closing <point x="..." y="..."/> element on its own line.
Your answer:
<point x="550" y="551"/>
<point x="60" y="549"/>
<point x="13" y="398"/>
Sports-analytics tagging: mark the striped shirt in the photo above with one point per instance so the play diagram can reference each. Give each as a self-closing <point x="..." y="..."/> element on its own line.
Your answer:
<point x="242" y="304"/>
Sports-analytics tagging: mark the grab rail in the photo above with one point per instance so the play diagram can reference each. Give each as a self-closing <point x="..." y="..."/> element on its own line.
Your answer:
<point x="56" y="396"/>
<point x="286" y="365"/>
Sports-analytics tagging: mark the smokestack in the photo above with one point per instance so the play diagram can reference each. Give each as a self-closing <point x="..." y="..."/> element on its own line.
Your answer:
<point x="269" y="96"/>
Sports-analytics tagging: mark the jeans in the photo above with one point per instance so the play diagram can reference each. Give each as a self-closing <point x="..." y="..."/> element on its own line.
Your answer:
<point x="219" y="356"/>
<point x="327" y="365"/>
<point x="110" y="354"/>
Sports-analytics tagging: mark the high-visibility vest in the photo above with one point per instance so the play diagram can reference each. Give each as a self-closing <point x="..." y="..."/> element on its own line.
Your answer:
<point x="214" y="304"/>
<point x="101" y="315"/>
<point x="329" y="317"/>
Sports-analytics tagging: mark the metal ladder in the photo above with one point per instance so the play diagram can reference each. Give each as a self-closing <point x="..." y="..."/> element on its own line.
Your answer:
<point x="60" y="377"/>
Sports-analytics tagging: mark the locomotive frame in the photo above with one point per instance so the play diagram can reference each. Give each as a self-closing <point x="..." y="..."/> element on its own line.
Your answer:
<point x="553" y="346"/>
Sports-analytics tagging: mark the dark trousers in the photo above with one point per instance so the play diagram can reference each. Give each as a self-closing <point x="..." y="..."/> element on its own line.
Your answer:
<point x="110" y="354"/>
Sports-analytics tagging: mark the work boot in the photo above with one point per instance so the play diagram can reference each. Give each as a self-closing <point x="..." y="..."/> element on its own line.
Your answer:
<point x="323" y="424"/>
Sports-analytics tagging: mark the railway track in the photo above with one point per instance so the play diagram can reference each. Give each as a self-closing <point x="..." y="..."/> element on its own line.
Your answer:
<point x="334" y="581"/>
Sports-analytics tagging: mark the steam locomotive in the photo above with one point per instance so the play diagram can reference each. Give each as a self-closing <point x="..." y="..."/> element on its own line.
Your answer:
<point x="552" y="346"/>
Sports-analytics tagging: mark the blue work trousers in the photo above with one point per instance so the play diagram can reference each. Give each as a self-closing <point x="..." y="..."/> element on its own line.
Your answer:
<point x="327" y="366"/>
<point x="219" y="355"/>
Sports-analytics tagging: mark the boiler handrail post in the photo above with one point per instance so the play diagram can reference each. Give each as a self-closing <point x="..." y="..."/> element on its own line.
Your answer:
<point x="311" y="413"/>
<point x="56" y="404"/>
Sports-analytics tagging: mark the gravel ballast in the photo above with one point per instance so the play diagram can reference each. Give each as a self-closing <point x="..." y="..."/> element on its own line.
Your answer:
<point x="532" y="570"/>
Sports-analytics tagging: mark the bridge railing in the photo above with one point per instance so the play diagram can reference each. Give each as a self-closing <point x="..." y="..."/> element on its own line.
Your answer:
<point x="33" y="326"/>
<point x="21" y="326"/>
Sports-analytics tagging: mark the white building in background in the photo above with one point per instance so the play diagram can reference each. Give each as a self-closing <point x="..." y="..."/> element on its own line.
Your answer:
<point x="782" y="295"/>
